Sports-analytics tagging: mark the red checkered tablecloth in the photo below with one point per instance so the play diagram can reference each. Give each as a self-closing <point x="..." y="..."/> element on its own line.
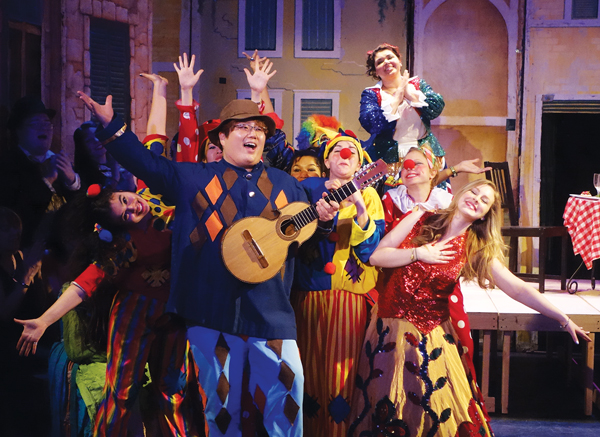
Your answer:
<point x="582" y="219"/>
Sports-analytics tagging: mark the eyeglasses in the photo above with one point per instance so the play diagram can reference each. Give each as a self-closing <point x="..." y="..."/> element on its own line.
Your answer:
<point x="247" y="128"/>
<point x="40" y="125"/>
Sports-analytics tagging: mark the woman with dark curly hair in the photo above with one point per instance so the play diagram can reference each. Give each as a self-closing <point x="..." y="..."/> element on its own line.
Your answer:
<point x="397" y="111"/>
<point x="128" y="236"/>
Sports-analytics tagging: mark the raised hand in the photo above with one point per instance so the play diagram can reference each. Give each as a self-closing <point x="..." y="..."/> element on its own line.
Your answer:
<point x="104" y="113"/>
<point x="255" y="60"/>
<point x="260" y="77"/>
<point x="185" y="71"/>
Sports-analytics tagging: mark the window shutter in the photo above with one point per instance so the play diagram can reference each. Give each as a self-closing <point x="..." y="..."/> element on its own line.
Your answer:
<point x="309" y="107"/>
<point x="261" y="25"/>
<point x="317" y="25"/>
<point x="571" y="106"/>
<point x="584" y="9"/>
<point x="110" y="59"/>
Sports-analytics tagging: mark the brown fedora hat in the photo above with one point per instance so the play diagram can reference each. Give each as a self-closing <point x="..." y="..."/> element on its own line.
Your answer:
<point x="240" y="110"/>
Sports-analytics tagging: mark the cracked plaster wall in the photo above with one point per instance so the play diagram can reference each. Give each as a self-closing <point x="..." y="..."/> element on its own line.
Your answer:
<point x="360" y="31"/>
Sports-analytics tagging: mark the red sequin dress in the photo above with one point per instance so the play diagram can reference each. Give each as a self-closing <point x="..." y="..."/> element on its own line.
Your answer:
<point x="411" y="380"/>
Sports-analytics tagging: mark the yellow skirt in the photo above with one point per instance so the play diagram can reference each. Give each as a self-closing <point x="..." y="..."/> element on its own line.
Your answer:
<point x="411" y="384"/>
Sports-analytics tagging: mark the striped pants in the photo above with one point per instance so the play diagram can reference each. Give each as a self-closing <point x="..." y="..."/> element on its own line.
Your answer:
<point x="253" y="386"/>
<point x="331" y="327"/>
<point x="139" y="333"/>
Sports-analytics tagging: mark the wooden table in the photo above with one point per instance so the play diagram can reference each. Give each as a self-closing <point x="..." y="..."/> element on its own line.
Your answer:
<point x="494" y="310"/>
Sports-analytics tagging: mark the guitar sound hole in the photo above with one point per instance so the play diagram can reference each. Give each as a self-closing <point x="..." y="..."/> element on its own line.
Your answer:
<point x="288" y="228"/>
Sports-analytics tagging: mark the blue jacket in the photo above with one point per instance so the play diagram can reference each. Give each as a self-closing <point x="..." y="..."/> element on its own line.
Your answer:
<point x="208" y="198"/>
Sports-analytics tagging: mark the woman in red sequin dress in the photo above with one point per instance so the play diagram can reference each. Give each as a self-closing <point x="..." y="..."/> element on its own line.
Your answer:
<point x="411" y="380"/>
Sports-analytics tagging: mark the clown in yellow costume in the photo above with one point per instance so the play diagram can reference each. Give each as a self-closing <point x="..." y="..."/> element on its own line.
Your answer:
<point x="332" y="280"/>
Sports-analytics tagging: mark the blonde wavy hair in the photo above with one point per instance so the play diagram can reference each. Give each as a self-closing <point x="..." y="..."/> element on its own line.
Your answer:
<point x="484" y="240"/>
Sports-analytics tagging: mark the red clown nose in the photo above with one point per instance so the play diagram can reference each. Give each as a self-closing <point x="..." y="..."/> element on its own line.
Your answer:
<point x="345" y="153"/>
<point x="409" y="164"/>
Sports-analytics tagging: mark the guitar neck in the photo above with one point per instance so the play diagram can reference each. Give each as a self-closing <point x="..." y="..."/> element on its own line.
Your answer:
<point x="310" y="214"/>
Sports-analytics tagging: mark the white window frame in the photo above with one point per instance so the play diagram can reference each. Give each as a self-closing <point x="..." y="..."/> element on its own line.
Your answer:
<point x="277" y="53"/>
<point x="336" y="53"/>
<point x="333" y="95"/>
<point x="274" y="93"/>
<point x="579" y="21"/>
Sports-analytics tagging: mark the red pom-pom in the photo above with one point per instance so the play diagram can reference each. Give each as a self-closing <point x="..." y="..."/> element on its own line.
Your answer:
<point x="334" y="237"/>
<point x="93" y="190"/>
<point x="408" y="164"/>
<point x="329" y="268"/>
<point x="345" y="153"/>
<point x="350" y="133"/>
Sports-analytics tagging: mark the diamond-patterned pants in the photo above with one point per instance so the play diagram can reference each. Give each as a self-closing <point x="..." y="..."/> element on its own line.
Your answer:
<point x="253" y="386"/>
<point x="140" y="333"/>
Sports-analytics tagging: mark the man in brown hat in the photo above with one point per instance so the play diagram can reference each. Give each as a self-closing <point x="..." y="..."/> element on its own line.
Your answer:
<point x="34" y="180"/>
<point x="243" y="335"/>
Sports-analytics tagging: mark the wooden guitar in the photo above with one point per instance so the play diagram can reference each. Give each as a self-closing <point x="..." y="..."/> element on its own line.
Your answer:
<point x="254" y="249"/>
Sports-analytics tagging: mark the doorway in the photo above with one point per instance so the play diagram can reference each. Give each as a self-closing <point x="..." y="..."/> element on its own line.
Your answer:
<point x="570" y="155"/>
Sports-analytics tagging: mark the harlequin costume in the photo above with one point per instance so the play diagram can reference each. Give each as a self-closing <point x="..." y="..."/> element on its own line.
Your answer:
<point x="139" y="330"/>
<point x="393" y="134"/>
<point x="231" y="325"/>
<point x="411" y="379"/>
<point x="332" y="279"/>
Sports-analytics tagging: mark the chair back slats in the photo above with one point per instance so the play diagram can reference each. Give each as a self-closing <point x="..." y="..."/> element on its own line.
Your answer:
<point x="500" y="176"/>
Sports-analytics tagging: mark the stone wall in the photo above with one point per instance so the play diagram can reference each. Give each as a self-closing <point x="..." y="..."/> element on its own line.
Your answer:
<point x="76" y="55"/>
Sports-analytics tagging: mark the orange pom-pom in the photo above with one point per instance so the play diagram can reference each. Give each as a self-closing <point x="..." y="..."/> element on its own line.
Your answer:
<point x="329" y="268"/>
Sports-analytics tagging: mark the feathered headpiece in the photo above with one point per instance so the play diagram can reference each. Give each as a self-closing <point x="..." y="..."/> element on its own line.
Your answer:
<point x="317" y="130"/>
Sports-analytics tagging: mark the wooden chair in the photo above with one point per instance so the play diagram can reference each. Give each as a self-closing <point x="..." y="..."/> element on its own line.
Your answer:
<point x="500" y="175"/>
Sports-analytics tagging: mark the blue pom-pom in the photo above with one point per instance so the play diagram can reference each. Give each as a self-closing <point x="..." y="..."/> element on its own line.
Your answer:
<point x="157" y="147"/>
<point x="105" y="236"/>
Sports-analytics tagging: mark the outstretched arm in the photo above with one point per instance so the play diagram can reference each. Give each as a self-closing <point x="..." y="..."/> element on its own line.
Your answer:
<point x="524" y="293"/>
<point x="466" y="166"/>
<point x="33" y="329"/>
<point x="188" y="138"/>
<point x="157" y="120"/>
<point x="156" y="171"/>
